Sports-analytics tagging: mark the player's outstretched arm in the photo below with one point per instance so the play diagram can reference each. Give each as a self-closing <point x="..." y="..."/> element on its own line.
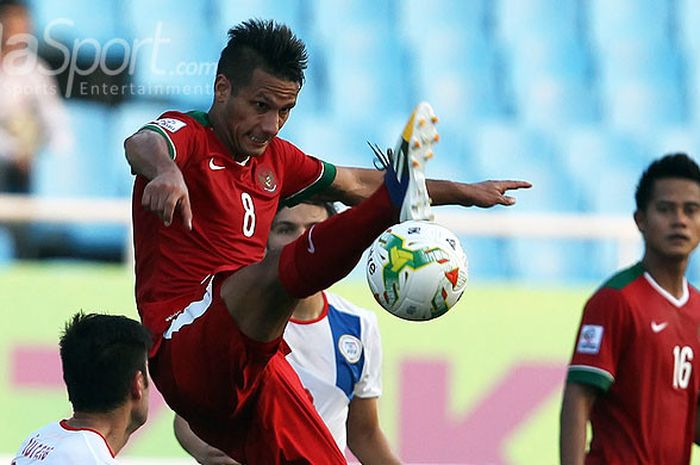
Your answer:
<point x="366" y="439"/>
<point x="201" y="451"/>
<point x="352" y="185"/>
<point x="575" y="413"/>
<point x="147" y="154"/>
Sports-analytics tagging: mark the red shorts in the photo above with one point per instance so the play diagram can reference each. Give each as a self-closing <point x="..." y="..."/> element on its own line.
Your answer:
<point x="237" y="394"/>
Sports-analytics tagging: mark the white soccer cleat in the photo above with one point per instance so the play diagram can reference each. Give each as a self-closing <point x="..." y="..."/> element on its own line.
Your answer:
<point x="413" y="150"/>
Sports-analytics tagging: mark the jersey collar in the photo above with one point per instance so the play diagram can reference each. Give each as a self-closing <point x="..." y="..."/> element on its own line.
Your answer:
<point x="323" y="314"/>
<point x="678" y="303"/>
<point x="64" y="424"/>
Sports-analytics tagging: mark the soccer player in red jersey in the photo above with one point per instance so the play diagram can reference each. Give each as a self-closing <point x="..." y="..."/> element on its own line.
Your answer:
<point x="633" y="373"/>
<point x="216" y="304"/>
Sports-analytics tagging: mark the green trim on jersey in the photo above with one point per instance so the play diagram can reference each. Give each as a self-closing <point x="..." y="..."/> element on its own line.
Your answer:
<point x="200" y="116"/>
<point x="624" y="277"/>
<point x="171" y="147"/>
<point x="590" y="376"/>
<point x="326" y="179"/>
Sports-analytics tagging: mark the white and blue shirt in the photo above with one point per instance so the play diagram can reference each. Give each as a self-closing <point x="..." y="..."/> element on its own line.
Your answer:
<point x="337" y="356"/>
<point x="58" y="444"/>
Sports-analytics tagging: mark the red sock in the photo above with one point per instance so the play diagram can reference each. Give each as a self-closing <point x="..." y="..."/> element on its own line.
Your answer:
<point x="336" y="245"/>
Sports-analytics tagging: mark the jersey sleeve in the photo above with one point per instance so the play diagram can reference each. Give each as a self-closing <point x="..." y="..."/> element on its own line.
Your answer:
<point x="600" y="340"/>
<point x="370" y="383"/>
<point x="179" y="132"/>
<point x="305" y="175"/>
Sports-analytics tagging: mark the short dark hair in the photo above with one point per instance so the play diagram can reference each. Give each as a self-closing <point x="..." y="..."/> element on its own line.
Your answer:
<point x="264" y="44"/>
<point x="673" y="165"/>
<point x="100" y="356"/>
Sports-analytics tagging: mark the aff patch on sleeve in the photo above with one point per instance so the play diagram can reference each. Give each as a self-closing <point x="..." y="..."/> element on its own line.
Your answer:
<point x="171" y="124"/>
<point x="589" y="340"/>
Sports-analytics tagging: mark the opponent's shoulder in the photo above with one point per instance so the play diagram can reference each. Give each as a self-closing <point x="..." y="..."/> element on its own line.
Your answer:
<point x="342" y="305"/>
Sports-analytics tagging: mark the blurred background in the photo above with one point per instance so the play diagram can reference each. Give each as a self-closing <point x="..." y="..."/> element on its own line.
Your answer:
<point x="576" y="96"/>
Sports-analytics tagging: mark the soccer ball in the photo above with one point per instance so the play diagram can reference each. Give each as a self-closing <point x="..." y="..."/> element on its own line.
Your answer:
<point x="417" y="270"/>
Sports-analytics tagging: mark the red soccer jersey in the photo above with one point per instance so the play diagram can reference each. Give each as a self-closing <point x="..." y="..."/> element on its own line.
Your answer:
<point x="233" y="204"/>
<point x="637" y="343"/>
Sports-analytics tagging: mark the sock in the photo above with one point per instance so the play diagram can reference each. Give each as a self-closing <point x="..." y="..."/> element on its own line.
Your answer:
<point x="328" y="251"/>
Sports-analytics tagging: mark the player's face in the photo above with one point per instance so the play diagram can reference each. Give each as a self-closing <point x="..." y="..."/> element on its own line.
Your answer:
<point x="671" y="222"/>
<point x="256" y="113"/>
<point x="290" y="223"/>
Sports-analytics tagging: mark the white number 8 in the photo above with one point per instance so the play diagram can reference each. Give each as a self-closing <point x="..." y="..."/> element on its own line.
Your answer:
<point x="249" y="216"/>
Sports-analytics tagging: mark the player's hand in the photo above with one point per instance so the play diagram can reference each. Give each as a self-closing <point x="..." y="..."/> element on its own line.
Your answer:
<point x="213" y="456"/>
<point x="486" y="194"/>
<point x="166" y="193"/>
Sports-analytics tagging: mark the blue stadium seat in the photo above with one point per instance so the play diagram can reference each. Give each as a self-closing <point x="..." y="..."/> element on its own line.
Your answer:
<point x="293" y="13"/>
<point x="641" y="106"/>
<point x="368" y="74"/>
<point x="648" y="20"/>
<point x="557" y="20"/>
<point x="343" y="145"/>
<point x="179" y="52"/>
<point x="553" y="260"/>
<point x="606" y="166"/>
<point x="505" y="151"/>
<point x="99" y="20"/>
<point x="88" y="171"/>
<point x="331" y="19"/>
<point x="419" y="21"/>
<point x="7" y="247"/>
<point x="488" y="260"/>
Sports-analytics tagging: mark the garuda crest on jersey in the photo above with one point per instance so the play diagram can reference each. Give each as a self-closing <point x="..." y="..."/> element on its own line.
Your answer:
<point x="266" y="180"/>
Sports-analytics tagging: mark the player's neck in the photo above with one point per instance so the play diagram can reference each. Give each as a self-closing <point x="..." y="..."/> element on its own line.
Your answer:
<point x="309" y="308"/>
<point x="217" y="123"/>
<point x="113" y="426"/>
<point x="667" y="273"/>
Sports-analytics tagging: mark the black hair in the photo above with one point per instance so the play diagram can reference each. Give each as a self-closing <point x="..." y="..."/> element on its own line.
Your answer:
<point x="264" y="44"/>
<point x="673" y="165"/>
<point x="100" y="356"/>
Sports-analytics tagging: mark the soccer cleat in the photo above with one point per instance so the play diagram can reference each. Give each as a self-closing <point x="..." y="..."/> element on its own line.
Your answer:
<point x="405" y="165"/>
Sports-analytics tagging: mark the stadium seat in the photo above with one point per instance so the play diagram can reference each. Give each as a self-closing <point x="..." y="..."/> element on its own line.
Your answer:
<point x="506" y="151"/>
<point x="418" y="21"/>
<point x="7" y="247"/>
<point x="648" y="20"/>
<point x="553" y="260"/>
<point x="606" y="166"/>
<point x="293" y="13"/>
<point x="331" y="19"/>
<point x="488" y="260"/>
<point x="94" y="20"/>
<point x="556" y="20"/>
<point x="641" y="106"/>
<point x="368" y="74"/>
<point x="86" y="172"/>
<point x="179" y="52"/>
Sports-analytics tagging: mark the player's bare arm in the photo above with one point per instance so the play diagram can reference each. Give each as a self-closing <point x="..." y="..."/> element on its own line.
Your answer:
<point x="352" y="185"/>
<point x="147" y="154"/>
<point x="575" y="413"/>
<point x="366" y="439"/>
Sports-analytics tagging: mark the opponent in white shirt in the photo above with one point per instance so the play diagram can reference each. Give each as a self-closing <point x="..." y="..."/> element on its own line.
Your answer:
<point x="336" y="351"/>
<point x="104" y="365"/>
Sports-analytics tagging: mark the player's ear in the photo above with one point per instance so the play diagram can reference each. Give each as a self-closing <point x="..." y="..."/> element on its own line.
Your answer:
<point x="222" y="88"/>
<point x="640" y="219"/>
<point x="139" y="385"/>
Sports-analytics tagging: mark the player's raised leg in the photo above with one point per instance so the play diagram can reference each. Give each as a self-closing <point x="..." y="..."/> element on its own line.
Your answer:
<point x="261" y="297"/>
